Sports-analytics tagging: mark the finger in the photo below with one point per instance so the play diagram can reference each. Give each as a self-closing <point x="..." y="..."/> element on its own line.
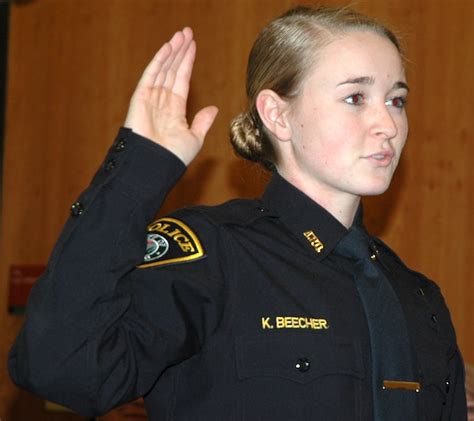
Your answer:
<point x="154" y="67"/>
<point x="183" y="74"/>
<point x="160" y="62"/>
<point x="180" y="49"/>
<point x="175" y="43"/>
<point x="203" y="121"/>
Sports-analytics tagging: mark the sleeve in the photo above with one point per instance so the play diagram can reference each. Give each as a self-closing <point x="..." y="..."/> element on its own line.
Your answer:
<point x="99" y="331"/>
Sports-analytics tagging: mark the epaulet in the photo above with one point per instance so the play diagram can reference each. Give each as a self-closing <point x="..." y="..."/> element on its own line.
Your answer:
<point x="235" y="212"/>
<point x="172" y="239"/>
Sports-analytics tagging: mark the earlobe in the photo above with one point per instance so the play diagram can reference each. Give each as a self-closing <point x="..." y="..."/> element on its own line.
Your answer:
<point x="273" y="111"/>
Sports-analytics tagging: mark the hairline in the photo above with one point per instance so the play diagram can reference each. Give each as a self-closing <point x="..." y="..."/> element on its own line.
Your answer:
<point x="332" y="35"/>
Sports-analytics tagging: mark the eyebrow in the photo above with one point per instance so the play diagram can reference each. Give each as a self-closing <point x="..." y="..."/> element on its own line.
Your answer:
<point x="363" y="80"/>
<point x="401" y="85"/>
<point x="369" y="80"/>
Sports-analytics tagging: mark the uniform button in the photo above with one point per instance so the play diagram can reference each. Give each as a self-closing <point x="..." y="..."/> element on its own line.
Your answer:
<point x="77" y="209"/>
<point x="434" y="319"/>
<point x="421" y="292"/>
<point x="302" y="365"/>
<point x="374" y="252"/>
<point x="120" y="145"/>
<point x="110" y="165"/>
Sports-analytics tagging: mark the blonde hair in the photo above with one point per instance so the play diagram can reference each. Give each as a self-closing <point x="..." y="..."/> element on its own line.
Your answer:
<point x="279" y="60"/>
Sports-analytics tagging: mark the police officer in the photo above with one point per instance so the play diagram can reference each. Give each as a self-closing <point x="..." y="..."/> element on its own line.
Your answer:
<point x="255" y="309"/>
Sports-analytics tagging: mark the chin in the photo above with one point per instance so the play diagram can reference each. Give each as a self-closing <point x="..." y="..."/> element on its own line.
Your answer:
<point x="375" y="189"/>
<point x="373" y="193"/>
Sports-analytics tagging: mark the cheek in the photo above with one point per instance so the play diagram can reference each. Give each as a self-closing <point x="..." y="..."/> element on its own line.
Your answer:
<point x="332" y="155"/>
<point x="344" y="127"/>
<point x="343" y="138"/>
<point x="402" y="133"/>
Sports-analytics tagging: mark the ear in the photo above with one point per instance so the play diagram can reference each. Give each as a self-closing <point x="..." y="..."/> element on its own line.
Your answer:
<point x="273" y="111"/>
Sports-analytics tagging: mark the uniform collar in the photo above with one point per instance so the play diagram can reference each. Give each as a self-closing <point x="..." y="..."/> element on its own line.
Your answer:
<point x="316" y="229"/>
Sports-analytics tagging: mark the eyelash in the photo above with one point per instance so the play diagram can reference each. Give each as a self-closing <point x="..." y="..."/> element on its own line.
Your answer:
<point x="351" y="100"/>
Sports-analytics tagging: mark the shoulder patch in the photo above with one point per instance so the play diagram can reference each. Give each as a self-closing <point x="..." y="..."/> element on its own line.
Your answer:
<point x="170" y="240"/>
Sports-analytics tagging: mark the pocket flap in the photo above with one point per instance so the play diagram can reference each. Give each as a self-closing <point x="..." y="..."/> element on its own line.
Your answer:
<point x="297" y="356"/>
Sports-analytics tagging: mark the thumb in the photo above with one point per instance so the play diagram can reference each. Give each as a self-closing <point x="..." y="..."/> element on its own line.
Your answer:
<point x="203" y="120"/>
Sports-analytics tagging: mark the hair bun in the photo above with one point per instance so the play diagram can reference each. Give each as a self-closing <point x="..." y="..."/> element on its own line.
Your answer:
<point x="246" y="137"/>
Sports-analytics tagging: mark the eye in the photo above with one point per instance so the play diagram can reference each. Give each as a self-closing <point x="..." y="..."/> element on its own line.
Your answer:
<point x="355" y="99"/>
<point x="397" y="102"/>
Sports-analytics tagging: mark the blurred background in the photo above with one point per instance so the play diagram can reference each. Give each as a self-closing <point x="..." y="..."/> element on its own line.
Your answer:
<point x="68" y="68"/>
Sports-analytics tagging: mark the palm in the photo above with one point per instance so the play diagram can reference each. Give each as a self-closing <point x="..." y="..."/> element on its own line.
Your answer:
<point x="158" y="106"/>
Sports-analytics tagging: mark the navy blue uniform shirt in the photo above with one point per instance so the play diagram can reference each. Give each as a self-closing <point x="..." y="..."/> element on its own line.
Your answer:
<point x="235" y="312"/>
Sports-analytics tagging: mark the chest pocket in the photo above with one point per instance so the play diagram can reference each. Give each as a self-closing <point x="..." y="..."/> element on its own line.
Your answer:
<point x="299" y="375"/>
<point x="300" y="357"/>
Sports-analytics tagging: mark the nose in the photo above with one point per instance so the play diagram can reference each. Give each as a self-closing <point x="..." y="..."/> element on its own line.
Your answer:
<point x="384" y="125"/>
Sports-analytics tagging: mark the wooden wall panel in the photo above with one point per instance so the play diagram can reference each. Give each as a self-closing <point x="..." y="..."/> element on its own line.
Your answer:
<point x="74" y="64"/>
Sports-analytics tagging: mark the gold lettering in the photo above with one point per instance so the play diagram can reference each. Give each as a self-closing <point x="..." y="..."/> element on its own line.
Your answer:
<point x="314" y="241"/>
<point x="186" y="247"/>
<point x="156" y="226"/>
<point x="310" y="235"/>
<point x="291" y="322"/>
<point x="177" y="235"/>
<point x="180" y="238"/>
<point x="318" y="246"/>
<point x="174" y="234"/>
<point x="324" y="324"/>
<point x="266" y="323"/>
<point x="162" y="227"/>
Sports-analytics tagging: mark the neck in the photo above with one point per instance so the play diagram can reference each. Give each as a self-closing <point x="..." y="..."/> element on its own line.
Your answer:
<point x="343" y="206"/>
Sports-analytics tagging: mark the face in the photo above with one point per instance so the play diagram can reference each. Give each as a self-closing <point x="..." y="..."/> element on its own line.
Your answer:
<point x="348" y="125"/>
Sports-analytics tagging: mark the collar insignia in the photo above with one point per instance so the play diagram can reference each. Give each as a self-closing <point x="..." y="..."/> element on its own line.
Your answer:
<point x="315" y="242"/>
<point x="170" y="240"/>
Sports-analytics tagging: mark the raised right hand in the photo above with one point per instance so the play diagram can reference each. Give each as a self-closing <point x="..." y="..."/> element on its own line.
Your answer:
<point x="157" y="109"/>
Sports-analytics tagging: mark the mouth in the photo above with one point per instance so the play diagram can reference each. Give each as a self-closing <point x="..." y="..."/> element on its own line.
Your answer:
<point x="382" y="159"/>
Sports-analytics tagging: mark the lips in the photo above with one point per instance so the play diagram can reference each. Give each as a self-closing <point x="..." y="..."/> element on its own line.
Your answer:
<point x="383" y="158"/>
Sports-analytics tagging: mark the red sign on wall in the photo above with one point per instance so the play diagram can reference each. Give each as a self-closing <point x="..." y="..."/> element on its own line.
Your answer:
<point x="22" y="279"/>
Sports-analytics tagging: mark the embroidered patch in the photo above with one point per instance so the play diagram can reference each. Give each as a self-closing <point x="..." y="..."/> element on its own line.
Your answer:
<point x="156" y="247"/>
<point x="170" y="240"/>
<point x="292" y="322"/>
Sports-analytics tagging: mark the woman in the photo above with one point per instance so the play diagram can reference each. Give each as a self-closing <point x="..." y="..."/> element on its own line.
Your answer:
<point x="281" y="308"/>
